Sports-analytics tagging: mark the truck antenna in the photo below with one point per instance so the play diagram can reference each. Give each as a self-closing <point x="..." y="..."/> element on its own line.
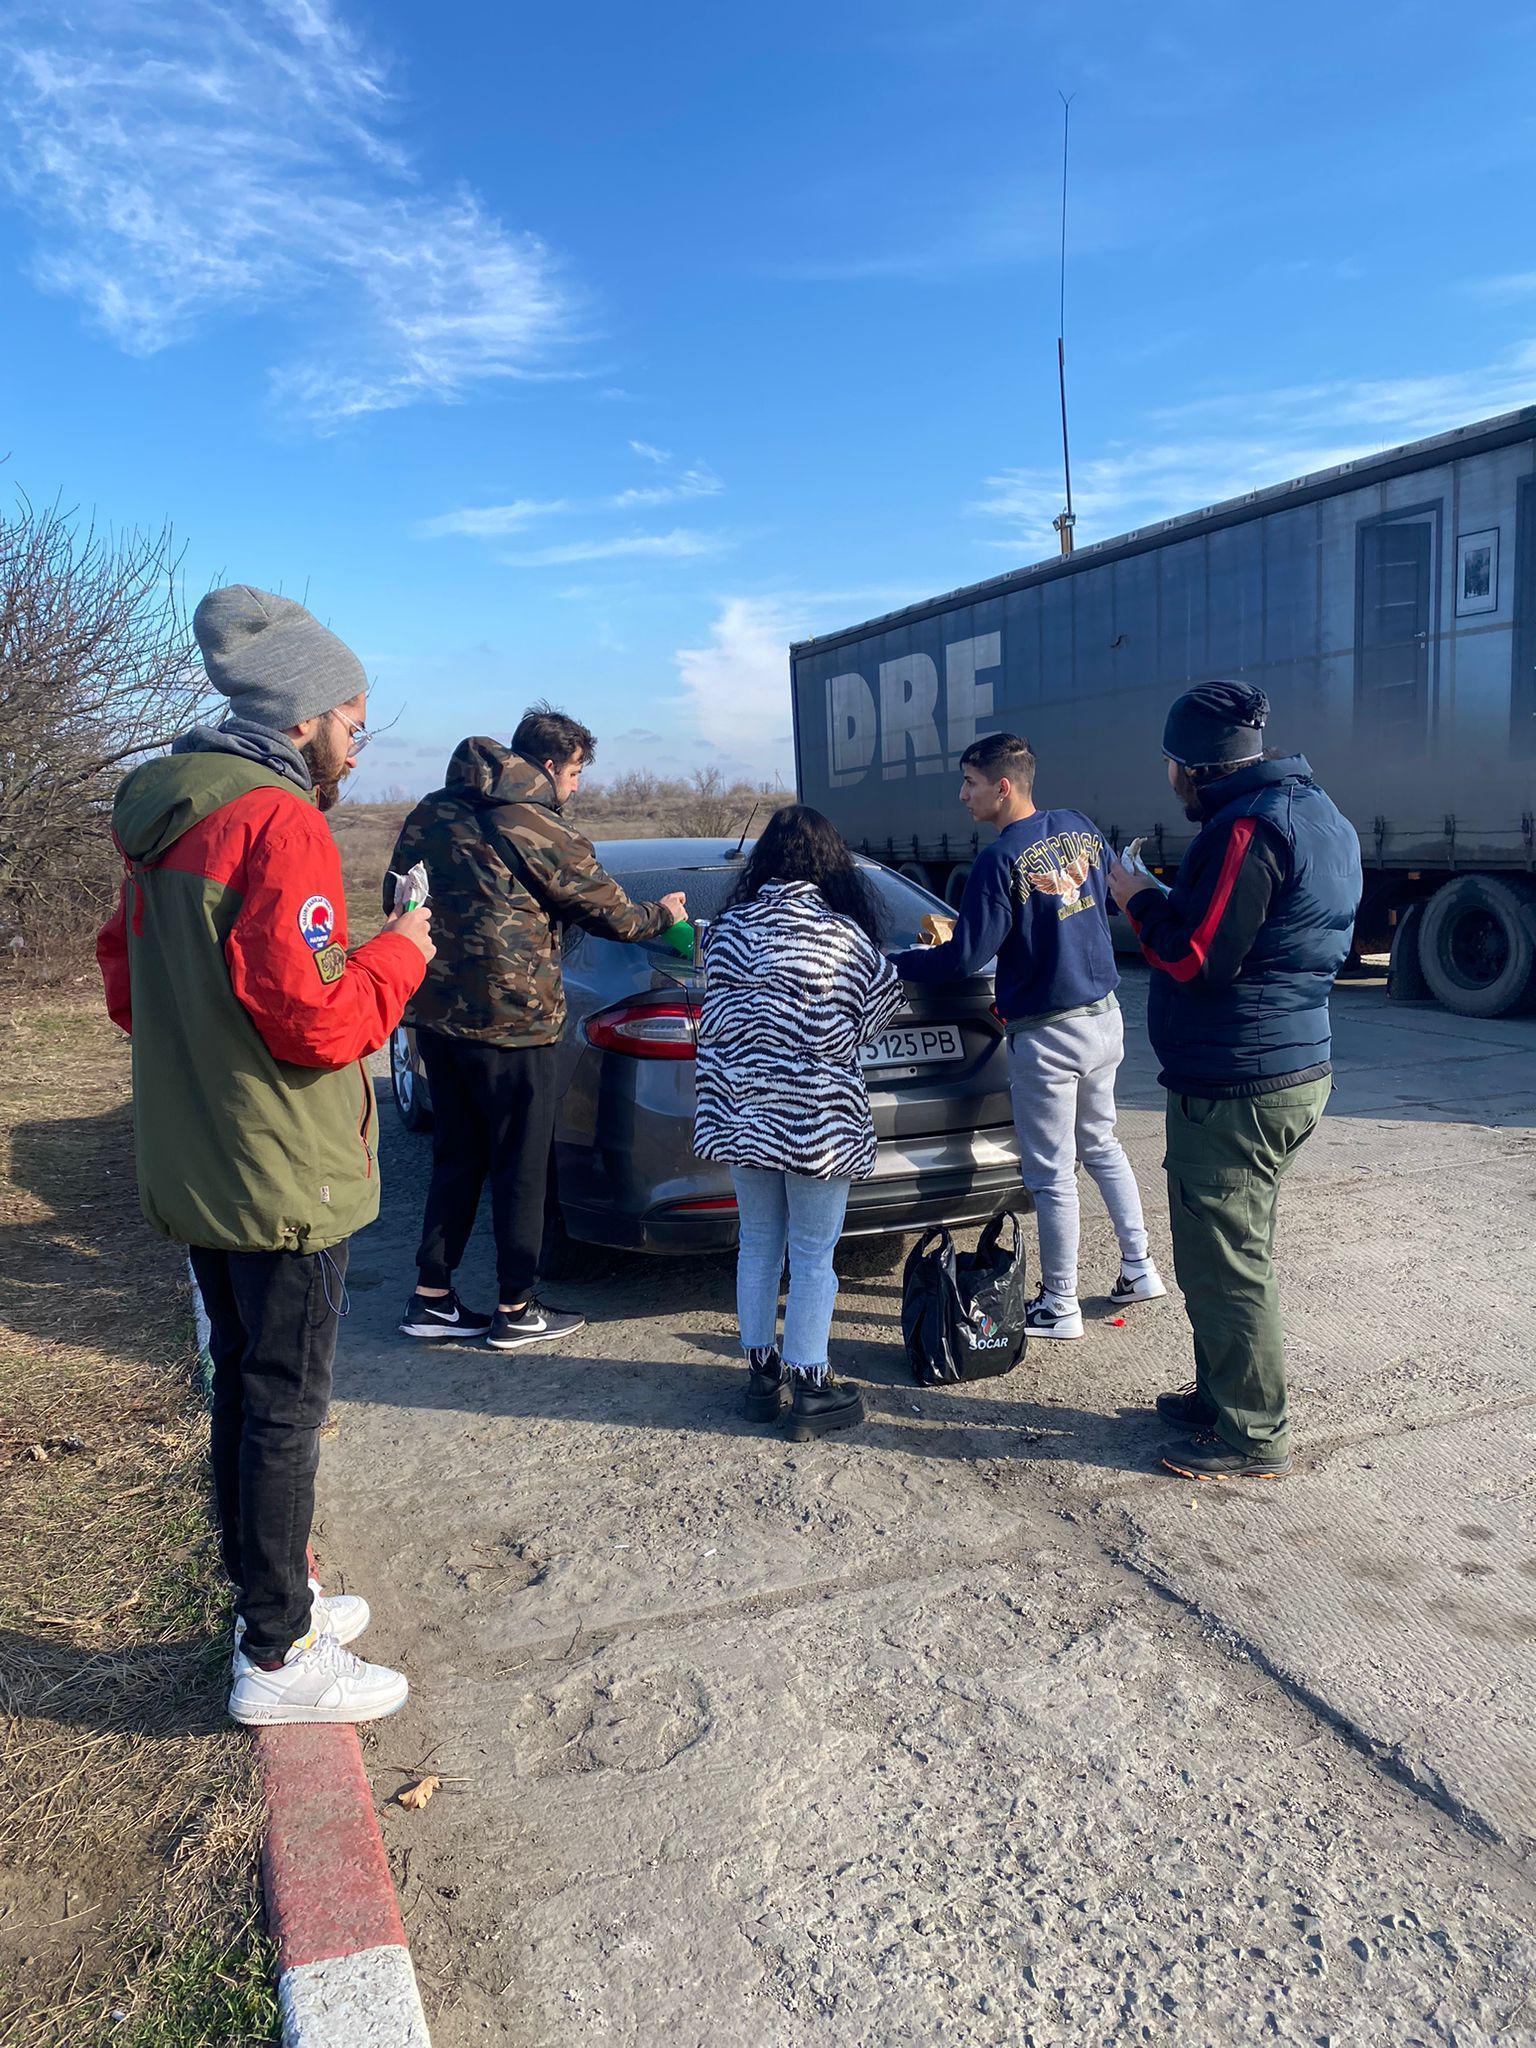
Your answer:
<point x="1065" y="521"/>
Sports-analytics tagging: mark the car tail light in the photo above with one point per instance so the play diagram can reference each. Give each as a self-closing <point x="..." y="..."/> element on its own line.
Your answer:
<point x="717" y="1205"/>
<point x="647" y="1031"/>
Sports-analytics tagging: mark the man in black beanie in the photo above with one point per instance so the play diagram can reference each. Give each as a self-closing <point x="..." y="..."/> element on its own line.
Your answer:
<point x="1244" y="949"/>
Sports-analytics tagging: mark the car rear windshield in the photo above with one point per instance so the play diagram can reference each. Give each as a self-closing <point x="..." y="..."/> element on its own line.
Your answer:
<point x="708" y="890"/>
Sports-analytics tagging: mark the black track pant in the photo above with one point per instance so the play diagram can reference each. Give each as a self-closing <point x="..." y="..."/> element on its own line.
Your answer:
<point x="493" y="1118"/>
<point x="273" y="1318"/>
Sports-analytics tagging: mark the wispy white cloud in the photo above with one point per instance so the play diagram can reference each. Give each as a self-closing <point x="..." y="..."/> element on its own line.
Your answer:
<point x="650" y="454"/>
<point x="183" y="162"/>
<point x="1227" y="444"/>
<point x="492" y="522"/>
<point x="699" y="482"/>
<point x="982" y="229"/>
<point x="1515" y="284"/>
<point x="681" y="544"/>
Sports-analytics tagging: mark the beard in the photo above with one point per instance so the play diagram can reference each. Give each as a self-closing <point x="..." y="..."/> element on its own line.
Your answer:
<point x="1189" y="796"/>
<point x="327" y="767"/>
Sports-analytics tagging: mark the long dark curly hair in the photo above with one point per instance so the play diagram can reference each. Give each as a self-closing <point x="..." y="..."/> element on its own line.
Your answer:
<point x="800" y="845"/>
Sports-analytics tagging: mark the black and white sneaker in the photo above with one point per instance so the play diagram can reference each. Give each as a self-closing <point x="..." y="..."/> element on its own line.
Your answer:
<point x="531" y="1324"/>
<point x="439" y="1317"/>
<point x="1056" y="1316"/>
<point x="1141" y="1282"/>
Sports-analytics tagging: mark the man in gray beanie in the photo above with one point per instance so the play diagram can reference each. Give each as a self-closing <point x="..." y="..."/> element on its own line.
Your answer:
<point x="254" y="1116"/>
<point x="282" y="672"/>
<point x="1244" y="949"/>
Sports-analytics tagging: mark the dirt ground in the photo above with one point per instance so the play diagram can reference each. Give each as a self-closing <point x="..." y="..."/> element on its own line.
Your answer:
<point x="973" y="1727"/>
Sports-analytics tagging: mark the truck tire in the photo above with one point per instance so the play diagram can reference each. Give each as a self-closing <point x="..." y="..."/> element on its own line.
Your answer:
<point x="915" y="871"/>
<point x="954" y="888"/>
<point x="1477" y="945"/>
<point x="1406" y="980"/>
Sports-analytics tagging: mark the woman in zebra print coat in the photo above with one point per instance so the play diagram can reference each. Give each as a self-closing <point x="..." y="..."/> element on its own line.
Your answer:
<point x="796" y="983"/>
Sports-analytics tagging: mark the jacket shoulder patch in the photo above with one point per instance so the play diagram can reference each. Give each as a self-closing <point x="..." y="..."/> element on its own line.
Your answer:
<point x="331" y="963"/>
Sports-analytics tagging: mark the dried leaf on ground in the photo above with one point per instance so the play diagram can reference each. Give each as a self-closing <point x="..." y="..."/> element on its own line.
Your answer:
<point x="416" y="1796"/>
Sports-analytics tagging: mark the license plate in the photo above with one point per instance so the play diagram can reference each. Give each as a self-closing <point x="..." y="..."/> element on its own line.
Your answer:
<point x="913" y="1045"/>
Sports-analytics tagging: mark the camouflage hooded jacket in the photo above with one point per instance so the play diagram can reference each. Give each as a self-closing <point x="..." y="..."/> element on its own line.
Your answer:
<point x="506" y="872"/>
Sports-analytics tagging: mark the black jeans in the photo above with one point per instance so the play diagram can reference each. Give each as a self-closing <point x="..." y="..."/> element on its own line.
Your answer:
<point x="493" y="1117"/>
<point x="273" y="1317"/>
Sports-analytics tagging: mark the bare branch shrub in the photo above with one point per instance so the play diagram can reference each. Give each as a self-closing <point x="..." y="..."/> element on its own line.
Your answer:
<point x="714" y="807"/>
<point x="97" y="670"/>
<point x="637" y="789"/>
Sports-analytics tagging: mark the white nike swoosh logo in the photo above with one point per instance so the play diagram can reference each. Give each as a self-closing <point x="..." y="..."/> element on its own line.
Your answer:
<point x="442" y="1315"/>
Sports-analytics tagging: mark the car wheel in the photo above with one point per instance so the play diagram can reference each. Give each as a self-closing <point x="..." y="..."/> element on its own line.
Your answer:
<point x="1477" y="945"/>
<point x="406" y="1082"/>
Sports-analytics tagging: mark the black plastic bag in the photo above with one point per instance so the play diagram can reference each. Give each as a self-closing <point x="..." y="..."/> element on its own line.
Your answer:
<point x="962" y="1313"/>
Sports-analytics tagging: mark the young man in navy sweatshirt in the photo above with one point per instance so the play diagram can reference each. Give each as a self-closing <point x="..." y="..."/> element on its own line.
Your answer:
<point x="1035" y="901"/>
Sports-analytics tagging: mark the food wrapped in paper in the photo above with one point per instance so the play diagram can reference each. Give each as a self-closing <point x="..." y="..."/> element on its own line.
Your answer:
<point x="410" y="888"/>
<point x="1131" y="858"/>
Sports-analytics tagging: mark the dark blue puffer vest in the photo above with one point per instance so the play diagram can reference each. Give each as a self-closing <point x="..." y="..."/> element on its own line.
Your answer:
<point x="1270" y="1026"/>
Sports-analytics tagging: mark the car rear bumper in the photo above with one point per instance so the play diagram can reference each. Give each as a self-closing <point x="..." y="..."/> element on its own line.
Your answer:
<point x="959" y="1180"/>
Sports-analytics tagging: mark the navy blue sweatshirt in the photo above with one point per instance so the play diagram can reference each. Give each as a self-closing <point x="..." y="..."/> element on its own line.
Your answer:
<point x="1036" y="900"/>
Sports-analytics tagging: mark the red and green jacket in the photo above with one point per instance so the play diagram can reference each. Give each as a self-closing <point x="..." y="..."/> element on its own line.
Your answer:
<point x="254" y="1116"/>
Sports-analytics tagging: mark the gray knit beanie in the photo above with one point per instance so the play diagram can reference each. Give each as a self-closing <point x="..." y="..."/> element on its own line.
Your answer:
<point x="273" y="660"/>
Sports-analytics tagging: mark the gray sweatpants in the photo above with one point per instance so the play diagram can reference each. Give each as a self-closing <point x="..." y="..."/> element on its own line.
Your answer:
<point x="1063" y="1081"/>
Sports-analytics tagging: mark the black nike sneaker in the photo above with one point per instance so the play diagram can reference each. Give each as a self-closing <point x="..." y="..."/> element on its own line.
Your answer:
<point x="533" y="1323"/>
<point x="439" y="1317"/>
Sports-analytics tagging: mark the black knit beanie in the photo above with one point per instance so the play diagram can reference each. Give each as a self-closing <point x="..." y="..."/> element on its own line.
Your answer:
<point x="1217" y="725"/>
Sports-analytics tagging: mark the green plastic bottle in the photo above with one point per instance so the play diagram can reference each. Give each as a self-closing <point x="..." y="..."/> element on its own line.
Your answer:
<point x="679" y="937"/>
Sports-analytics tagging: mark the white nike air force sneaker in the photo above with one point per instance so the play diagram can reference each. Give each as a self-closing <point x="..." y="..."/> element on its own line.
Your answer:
<point x="342" y="1615"/>
<point x="317" y="1682"/>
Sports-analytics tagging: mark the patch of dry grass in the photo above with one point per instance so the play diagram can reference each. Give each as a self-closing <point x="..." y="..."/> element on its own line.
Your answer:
<point x="132" y="1817"/>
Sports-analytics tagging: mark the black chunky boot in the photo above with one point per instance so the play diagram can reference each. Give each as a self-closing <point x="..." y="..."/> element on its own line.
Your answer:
<point x="818" y="1409"/>
<point x="1187" y="1407"/>
<point x="767" y="1385"/>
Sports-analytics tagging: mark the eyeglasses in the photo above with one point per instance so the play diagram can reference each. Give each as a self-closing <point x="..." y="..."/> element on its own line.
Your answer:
<point x="358" y="736"/>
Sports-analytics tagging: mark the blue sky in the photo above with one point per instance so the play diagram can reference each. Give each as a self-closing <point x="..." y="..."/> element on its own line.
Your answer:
<point x="597" y="352"/>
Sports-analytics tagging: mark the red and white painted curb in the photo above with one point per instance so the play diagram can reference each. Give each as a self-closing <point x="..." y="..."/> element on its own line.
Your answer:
<point x="345" y="1978"/>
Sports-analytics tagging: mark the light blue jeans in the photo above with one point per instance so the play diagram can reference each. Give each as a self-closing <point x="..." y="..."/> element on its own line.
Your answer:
<point x="790" y="1211"/>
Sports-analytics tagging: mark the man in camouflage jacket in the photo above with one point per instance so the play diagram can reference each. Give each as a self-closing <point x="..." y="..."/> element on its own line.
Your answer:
<point x="506" y="872"/>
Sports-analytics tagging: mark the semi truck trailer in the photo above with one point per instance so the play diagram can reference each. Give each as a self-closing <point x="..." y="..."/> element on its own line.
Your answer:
<point x="1386" y="606"/>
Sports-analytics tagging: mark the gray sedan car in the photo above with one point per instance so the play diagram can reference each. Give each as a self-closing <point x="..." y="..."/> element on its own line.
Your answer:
<point x="624" y="1160"/>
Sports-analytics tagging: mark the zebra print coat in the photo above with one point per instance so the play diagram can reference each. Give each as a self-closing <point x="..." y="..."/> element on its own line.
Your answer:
<point x="793" y="990"/>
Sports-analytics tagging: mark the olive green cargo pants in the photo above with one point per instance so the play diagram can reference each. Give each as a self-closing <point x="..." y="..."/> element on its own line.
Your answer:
<point x="1225" y="1162"/>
